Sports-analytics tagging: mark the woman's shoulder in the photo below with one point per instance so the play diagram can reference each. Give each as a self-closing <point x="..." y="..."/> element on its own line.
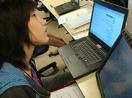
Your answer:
<point x="10" y="77"/>
<point x="13" y="80"/>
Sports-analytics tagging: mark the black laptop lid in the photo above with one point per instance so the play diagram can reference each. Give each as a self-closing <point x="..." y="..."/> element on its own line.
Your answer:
<point x="115" y="77"/>
<point x="67" y="7"/>
<point x="107" y="22"/>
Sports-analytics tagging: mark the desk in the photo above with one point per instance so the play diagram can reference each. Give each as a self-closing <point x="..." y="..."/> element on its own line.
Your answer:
<point x="50" y="4"/>
<point x="75" y="33"/>
<point x="88" y="86"/>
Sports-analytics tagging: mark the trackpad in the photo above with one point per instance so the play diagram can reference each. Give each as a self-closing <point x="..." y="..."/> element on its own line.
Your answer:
<point x="73" y="59"/>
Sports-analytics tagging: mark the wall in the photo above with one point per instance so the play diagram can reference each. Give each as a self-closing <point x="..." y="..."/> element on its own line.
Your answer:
<point x="129" y="19"/>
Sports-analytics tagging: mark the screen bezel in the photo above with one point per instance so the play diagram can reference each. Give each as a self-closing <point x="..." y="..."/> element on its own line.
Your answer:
<point x="111" y="6"/>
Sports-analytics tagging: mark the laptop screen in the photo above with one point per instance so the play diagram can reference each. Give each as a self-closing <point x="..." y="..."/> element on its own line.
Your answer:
<point x="106" y="23"/>
<point x="116" y="75"/>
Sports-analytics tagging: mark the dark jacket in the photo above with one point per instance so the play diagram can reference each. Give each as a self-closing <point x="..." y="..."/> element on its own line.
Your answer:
<point x="13" y="84"/>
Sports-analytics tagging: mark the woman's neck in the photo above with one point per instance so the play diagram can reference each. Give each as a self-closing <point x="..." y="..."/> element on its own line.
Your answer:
<point x="28" y="51"/>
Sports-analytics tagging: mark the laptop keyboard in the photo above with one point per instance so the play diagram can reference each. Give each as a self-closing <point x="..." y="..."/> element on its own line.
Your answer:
<point x="88" y="52"/>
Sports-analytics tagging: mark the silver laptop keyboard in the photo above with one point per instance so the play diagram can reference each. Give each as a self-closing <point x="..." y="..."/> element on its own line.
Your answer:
<point x="88" y="52"/>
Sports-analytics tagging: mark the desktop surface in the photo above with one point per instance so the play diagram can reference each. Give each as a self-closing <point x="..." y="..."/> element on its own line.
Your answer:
<point x="50" y="4"/>
<point x="88" y="86"/>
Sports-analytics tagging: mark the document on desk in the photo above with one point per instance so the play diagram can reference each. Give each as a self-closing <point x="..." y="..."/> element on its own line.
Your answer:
<point x="71" y="91"/>
<point x="59" y="2"/>
<point x="76" y="18"/>
<point x="80" y="34"/>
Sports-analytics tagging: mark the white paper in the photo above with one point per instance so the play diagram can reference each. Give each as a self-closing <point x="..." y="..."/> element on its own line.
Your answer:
<point x="59" y="2"/>
<point x="62" y="20"/>
<point x="75" y="18"/>
<point x="71" y="91"/>
<point x="80" y="34"/>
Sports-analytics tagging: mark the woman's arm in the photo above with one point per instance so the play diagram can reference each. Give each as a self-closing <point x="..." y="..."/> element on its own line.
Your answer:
<point x="19" y="92"/>
<point x="55" y="41"/>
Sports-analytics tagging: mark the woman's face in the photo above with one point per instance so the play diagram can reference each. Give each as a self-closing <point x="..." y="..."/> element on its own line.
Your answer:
<point x="37" y="29"/>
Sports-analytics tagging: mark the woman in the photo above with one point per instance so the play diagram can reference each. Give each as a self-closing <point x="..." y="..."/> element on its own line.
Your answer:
<point x="20" y="31"/>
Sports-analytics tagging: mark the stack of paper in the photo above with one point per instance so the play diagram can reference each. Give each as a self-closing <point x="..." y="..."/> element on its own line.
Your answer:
<point x="76" y="18"/>
<point x="71" y="91"/>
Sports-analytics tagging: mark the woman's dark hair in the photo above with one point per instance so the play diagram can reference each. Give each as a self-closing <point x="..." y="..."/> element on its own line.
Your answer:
<point x="14" y="17"/>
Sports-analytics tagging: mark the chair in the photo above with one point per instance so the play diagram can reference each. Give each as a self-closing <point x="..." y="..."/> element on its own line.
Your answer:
<point x="41" y="7"/>
<point x="40" y="49"/>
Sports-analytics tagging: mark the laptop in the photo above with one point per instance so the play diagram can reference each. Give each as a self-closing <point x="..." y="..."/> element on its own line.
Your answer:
<point x="112" y="80"/>
<point x="114" y="77"/>
<point x="87" y="54"/>
<point x="67" y="7"/>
